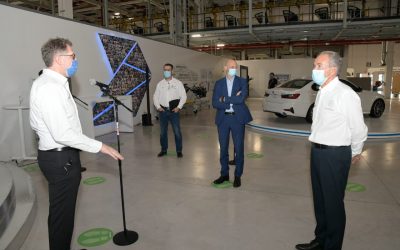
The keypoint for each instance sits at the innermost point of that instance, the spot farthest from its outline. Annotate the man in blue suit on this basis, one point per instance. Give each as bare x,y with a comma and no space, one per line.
232,115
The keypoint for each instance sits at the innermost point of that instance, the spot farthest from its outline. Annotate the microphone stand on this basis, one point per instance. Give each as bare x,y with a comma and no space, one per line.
125,237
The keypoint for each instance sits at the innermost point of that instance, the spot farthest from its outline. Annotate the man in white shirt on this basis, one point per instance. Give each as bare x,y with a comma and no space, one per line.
338,133
169,98
54,117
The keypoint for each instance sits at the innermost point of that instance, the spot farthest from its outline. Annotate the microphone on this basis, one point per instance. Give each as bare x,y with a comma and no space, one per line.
102,86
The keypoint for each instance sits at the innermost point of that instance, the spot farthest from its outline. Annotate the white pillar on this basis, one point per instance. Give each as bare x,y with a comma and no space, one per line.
389,69
65,9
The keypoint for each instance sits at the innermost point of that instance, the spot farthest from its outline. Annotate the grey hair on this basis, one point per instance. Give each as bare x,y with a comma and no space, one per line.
335,60
52,47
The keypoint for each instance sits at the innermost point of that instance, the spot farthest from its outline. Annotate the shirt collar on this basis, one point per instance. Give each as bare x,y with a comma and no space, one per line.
166,81
60,78
227,79
331,85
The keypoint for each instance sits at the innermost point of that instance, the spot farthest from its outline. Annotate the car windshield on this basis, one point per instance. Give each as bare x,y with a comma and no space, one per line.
352,85
295,84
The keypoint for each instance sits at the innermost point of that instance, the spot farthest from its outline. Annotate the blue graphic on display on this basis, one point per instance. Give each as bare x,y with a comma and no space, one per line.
127,66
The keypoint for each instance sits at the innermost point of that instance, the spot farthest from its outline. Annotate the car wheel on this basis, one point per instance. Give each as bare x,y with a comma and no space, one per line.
310,113
280,115
377,108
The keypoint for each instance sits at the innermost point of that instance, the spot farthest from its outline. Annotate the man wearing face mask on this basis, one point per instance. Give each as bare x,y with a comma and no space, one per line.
232,115
337,137
169,98
54,117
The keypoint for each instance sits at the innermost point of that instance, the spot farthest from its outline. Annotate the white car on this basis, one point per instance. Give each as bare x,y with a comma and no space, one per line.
297,97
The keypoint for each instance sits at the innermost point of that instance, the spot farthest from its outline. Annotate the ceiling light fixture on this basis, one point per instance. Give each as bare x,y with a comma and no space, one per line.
220,45
196,35
117,14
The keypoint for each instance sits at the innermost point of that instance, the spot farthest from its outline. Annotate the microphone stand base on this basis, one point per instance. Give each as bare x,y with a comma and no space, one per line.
125,238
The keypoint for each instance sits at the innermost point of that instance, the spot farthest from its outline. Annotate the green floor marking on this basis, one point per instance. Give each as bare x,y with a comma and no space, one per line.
31,167
115,144
254,155
171,153
202,135
266,138
95,237
355,187
94,180
225,184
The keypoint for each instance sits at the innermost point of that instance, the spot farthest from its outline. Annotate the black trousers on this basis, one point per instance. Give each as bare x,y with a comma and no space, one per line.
63,173
329,172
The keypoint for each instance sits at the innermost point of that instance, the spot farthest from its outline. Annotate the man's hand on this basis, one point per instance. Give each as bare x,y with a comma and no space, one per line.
176,110
160,109
355,159
105,149
222,99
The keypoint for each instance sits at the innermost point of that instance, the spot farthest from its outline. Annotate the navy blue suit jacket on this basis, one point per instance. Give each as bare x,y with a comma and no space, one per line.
242,113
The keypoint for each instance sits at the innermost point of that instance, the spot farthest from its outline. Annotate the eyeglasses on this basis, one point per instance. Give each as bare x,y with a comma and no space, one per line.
72,55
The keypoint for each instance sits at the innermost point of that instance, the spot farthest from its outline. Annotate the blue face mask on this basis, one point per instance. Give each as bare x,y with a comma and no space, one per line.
318,76
232,72
167,74
72,69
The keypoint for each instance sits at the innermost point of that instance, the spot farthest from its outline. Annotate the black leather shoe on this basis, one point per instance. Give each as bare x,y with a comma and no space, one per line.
221,179
179,154
313,245
237,182
232,162
161,154
83,169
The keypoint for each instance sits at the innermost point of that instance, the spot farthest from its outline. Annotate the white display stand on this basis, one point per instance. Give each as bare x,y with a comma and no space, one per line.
21,132
86,116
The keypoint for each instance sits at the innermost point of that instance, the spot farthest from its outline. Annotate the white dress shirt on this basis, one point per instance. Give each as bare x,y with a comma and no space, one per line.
229,84
338,118
167,91
54,116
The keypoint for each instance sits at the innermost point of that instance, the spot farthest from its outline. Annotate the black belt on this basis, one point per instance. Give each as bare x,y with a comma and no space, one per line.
165,108
229,113
63,149
322,146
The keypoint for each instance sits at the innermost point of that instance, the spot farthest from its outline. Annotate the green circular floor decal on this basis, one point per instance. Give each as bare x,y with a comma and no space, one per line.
94,180
95,237
115,144
254,155
31,168
355,187
202,135
266,138
225,184
171,153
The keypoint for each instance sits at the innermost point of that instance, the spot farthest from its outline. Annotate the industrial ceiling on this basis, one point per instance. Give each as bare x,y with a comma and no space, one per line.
376,21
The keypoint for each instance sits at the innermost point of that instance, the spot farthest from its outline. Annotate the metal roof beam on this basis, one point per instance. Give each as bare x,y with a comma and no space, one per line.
111,6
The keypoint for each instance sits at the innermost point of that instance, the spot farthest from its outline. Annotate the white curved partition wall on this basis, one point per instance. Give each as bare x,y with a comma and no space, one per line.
7,199
17,206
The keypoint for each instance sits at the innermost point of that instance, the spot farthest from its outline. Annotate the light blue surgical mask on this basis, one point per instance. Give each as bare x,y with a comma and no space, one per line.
232,72
72,69
167,74
318,76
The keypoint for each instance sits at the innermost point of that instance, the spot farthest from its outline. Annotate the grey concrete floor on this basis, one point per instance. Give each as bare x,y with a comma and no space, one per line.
171,203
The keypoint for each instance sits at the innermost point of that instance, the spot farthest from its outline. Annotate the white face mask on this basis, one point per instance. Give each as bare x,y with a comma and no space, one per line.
318,76
232,72
167,74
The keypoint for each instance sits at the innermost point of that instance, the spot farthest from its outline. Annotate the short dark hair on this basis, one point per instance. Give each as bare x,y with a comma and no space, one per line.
52,47
169,64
